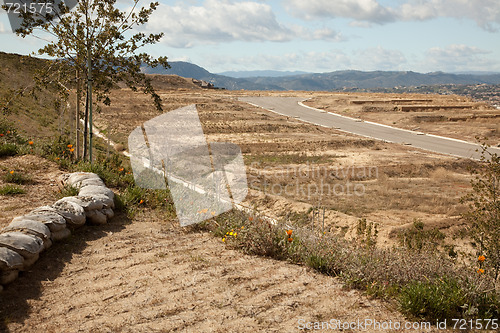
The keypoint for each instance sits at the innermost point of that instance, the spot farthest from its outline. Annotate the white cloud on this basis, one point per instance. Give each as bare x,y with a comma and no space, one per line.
458,57
217,21
313,61
306,61
359,10
379,58
486,13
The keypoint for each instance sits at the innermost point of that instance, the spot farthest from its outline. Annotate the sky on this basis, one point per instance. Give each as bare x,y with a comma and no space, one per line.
318,35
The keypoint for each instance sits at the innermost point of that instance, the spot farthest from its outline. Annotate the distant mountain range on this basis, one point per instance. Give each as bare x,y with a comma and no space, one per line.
247,74
338,80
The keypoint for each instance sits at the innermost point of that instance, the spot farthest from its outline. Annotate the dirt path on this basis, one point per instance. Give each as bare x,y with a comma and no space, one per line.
147,276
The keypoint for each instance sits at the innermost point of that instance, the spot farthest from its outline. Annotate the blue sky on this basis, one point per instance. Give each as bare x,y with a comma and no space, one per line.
320,35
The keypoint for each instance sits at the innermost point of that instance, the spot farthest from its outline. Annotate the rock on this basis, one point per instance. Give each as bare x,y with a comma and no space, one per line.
8,276
97,217
31,227
48,216
61,234
88,203
10,259
119,147
28,246
72,212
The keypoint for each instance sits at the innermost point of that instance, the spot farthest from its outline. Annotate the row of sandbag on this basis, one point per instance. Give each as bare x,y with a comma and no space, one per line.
22,241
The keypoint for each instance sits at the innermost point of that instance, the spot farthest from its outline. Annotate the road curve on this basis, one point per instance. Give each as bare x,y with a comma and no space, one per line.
293,107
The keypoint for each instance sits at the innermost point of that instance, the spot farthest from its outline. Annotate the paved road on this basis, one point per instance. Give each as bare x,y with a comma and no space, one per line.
289,106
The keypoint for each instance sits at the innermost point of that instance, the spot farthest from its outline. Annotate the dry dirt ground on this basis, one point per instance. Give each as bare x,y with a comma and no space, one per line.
41,190
293,166
149,275
448,115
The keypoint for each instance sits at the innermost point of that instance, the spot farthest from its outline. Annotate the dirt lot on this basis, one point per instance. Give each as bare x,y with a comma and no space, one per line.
293,166
149,275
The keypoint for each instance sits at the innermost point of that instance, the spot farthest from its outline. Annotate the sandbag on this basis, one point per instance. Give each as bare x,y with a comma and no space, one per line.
86,202
72,212
29,262
10,259
48,216
93,190
73,178
31,227
28,246
96,217
109,213
61,234
7,277
89,181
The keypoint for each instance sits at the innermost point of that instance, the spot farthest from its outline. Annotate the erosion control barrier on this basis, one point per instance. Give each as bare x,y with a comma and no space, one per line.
22,241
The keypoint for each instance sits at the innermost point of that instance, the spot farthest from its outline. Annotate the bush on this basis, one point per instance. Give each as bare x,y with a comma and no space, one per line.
11,190
16,178
8,149
483,217
418,239
440,299
427,284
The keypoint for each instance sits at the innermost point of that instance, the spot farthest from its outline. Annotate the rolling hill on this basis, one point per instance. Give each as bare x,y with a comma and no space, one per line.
337,80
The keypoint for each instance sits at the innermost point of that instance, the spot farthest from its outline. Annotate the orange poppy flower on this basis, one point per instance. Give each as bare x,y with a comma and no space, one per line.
1,134
30,143
141,202
72,150
481,258
480,271
70,146
289,232
8,132
12,172
290,240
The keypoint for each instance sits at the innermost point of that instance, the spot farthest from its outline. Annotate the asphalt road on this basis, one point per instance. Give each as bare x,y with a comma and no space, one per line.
290,107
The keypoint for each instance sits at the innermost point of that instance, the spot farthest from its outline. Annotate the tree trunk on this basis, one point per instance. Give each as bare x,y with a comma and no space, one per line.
77,115
85,131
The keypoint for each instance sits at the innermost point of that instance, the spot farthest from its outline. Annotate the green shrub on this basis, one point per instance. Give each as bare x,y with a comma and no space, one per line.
483,215
418,239
16,178
11,190
8,149
67,191
432,300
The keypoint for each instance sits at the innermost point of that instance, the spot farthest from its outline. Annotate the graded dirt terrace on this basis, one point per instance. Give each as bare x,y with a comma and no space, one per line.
293,166
447,115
